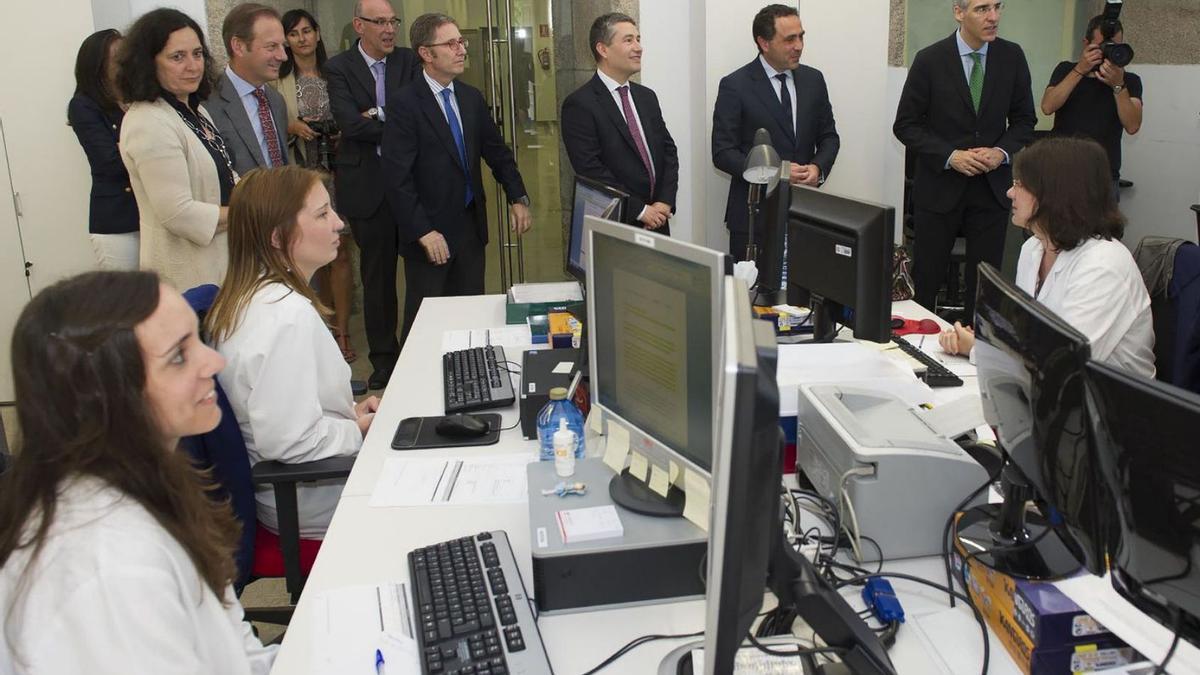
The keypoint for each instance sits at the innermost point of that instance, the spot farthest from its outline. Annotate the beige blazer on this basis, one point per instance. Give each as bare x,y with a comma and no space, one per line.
287,87
178,195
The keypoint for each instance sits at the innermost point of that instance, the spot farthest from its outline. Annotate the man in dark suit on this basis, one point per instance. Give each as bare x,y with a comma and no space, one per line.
966,109
360,81
436,133
776,93
251,117
613,129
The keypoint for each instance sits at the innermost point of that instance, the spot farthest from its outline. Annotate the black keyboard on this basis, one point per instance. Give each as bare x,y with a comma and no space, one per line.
476,379
936,374
475,617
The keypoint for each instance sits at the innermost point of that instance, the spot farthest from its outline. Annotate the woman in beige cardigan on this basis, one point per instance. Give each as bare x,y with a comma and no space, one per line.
178,166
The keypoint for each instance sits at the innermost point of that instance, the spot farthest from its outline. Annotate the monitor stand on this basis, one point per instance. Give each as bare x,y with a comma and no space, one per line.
633,494
1039,554
679,660
824,327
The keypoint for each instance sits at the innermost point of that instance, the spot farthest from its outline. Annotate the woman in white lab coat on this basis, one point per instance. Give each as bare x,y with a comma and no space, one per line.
1074,263
113,558
286,379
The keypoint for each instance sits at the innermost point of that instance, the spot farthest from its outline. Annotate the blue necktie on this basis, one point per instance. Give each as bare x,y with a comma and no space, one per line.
456,131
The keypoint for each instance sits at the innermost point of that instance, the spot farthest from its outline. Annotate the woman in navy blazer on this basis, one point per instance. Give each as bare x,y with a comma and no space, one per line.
95,114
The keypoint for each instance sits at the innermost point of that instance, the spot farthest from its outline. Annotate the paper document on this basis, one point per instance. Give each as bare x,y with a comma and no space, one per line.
546,292
506,336
750,660
483,480
955,418
846,363
350,624
959,365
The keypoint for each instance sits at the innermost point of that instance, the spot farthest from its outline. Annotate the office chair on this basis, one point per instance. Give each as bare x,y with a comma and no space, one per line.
4,453
1196,208
261,554
1171,270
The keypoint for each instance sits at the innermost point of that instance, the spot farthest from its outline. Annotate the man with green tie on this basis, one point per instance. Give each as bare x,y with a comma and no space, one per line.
966,109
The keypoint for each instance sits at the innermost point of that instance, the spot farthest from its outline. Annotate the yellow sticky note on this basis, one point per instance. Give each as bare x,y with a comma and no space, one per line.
696,499
638,466
595,421
616,447
659,481
674,475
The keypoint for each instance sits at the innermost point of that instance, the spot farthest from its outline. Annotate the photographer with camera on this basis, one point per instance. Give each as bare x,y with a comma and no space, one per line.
1095,96
312,140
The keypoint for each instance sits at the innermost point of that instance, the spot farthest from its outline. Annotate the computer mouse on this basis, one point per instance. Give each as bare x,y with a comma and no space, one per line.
462,426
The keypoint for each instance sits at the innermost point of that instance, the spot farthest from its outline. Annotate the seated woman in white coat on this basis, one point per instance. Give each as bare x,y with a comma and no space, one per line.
1074,264
285,376
113,558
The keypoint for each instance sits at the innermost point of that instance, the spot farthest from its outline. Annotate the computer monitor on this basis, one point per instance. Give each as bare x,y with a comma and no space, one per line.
654,316
840,252
772,221
748,549
1145,439
591,198
1030,365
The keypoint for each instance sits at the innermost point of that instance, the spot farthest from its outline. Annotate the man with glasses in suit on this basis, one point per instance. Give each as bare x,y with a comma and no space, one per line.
360,81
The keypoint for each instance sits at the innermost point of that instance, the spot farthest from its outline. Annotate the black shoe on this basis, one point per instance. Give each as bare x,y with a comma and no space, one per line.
379,379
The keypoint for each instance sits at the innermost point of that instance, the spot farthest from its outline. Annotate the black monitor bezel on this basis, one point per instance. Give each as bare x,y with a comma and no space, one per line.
577,271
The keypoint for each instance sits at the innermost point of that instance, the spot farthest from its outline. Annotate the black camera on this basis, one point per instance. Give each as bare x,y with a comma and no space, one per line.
325,142
1118,53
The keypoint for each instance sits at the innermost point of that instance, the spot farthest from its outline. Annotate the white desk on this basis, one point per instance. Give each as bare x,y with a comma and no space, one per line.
368,545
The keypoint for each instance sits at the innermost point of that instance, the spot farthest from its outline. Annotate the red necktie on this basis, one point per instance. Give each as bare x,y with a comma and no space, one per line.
637,134
270,135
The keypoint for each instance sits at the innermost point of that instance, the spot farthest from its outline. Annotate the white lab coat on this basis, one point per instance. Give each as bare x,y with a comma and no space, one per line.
290,390
112,592
1097,289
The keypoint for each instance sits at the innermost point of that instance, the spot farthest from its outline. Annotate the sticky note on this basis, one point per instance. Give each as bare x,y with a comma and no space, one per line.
617,447
674,472
659,482
696,499
595,421
638,466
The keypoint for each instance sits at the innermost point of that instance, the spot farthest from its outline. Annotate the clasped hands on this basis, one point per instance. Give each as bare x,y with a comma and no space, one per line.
976,161
805,174
438,251
655,215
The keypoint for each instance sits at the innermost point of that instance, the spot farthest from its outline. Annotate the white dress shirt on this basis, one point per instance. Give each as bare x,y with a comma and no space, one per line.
112,592
290,390
775,84
1097,289
437,88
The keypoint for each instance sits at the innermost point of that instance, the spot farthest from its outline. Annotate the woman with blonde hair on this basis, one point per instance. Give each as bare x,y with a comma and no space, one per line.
113,556
286,379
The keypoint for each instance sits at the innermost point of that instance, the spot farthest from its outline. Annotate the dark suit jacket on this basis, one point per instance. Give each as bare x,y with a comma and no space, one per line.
113,209
600,146
357,177
231,119
936,117
426,184
747,102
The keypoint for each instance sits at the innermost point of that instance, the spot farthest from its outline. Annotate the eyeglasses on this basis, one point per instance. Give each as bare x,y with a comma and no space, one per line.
460,43
982,10
394,22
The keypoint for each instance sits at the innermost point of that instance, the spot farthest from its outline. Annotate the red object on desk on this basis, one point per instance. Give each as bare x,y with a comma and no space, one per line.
922,327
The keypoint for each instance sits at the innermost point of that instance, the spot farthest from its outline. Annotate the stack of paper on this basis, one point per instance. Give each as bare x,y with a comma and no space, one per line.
597,522
546,292
480,480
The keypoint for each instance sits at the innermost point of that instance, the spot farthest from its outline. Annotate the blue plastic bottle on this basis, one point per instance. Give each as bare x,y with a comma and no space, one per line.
547,423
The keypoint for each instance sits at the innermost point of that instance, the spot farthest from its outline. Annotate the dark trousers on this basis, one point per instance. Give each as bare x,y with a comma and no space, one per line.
378,244
981,220
463,274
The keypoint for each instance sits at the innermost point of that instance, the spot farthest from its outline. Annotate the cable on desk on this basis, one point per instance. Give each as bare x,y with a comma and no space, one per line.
799,651
950,521
1161,668
634,644
514,424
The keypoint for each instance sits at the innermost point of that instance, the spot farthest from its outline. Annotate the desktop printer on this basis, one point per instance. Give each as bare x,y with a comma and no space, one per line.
901,477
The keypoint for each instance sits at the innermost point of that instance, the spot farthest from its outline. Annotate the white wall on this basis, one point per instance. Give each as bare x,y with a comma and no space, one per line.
1163,159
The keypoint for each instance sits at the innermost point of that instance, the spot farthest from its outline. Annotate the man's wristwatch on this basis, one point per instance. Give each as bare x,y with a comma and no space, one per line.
1118,88
523,200
373,113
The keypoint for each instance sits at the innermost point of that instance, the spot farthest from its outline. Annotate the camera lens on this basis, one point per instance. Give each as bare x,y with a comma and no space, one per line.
1120,54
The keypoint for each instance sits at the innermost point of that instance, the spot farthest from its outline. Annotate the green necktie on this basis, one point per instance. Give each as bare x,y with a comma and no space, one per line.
976,81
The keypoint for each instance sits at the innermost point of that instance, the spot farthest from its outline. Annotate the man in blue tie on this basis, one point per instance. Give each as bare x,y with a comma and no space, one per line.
437,130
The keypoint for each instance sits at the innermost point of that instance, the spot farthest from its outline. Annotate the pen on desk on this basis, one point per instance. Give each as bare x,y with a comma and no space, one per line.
921,344
379,662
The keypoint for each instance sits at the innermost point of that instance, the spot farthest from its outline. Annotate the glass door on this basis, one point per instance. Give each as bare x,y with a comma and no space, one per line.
509,59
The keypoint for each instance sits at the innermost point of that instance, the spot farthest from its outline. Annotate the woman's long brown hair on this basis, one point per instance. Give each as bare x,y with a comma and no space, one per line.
80,383
262,224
